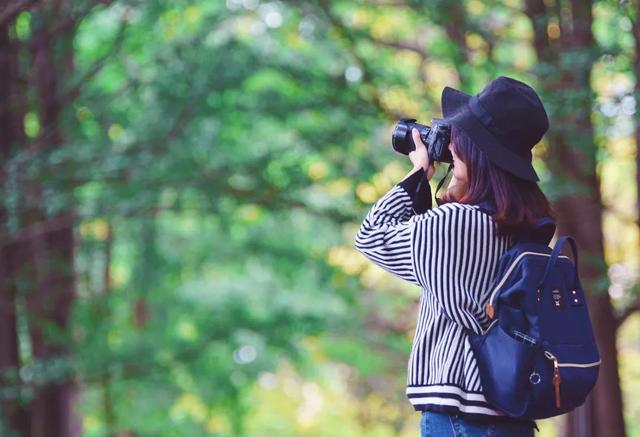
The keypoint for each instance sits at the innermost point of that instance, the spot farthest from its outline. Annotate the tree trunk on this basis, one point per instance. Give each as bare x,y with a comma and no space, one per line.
565,69
13,414
52,288
636,95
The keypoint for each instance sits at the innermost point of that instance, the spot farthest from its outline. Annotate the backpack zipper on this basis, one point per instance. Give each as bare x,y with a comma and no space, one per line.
513,266
556,380
489,327
597,363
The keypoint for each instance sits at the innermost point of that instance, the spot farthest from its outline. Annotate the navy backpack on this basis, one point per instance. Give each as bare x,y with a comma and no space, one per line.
538,357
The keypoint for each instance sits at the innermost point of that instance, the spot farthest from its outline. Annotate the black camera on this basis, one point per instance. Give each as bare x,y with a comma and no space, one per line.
435,137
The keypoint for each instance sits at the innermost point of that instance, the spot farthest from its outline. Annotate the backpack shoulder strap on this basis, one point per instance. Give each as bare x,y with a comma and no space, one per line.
554,257
486,206
541,232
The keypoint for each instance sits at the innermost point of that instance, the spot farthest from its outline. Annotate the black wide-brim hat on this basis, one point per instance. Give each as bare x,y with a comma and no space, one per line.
505,120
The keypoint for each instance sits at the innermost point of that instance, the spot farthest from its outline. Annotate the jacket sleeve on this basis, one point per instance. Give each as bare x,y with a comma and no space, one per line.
445,250
385,235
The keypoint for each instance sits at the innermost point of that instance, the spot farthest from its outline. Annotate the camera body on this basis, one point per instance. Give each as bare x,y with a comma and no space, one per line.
436,137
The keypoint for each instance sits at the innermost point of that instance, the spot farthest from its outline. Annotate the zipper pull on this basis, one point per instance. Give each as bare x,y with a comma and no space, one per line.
556,382
488,308
556,377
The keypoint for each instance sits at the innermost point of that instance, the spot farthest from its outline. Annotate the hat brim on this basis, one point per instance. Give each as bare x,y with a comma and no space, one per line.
456,111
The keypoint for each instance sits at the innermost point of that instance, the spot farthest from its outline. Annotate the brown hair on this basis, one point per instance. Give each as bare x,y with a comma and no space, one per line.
519,203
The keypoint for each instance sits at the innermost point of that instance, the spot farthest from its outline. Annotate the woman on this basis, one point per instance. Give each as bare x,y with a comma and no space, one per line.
452,251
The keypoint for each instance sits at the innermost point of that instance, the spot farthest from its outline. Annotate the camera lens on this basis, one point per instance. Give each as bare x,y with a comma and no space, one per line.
399,136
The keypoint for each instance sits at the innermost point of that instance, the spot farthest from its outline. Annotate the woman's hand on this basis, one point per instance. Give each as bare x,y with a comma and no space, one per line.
419,157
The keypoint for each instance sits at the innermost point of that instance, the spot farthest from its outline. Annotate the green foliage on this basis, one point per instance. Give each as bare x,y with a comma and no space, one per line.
219,157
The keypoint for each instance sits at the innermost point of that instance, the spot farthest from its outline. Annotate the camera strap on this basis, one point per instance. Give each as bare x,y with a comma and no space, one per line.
438,201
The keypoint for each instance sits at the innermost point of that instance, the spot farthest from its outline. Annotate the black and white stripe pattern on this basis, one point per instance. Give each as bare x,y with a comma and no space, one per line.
451,252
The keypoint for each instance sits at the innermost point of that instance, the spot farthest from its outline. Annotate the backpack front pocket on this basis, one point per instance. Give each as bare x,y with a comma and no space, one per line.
505,364
567,373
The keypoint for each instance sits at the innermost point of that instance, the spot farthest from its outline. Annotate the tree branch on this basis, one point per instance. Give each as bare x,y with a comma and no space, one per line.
72,93
400,45
367,75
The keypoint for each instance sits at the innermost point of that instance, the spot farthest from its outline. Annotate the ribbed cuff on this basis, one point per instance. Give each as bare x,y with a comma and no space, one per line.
418,188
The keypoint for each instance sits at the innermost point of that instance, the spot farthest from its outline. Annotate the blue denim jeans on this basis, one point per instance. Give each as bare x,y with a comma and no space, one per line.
434,424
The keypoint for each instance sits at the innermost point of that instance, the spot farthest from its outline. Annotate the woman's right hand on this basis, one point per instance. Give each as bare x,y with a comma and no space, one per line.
419,157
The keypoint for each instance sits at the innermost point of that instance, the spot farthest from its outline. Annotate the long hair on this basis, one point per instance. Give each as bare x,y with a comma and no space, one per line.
519,203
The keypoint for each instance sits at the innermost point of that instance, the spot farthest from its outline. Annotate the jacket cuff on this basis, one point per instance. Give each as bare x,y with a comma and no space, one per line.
418,188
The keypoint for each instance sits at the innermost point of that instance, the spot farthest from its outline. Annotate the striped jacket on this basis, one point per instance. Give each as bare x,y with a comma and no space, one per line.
451,252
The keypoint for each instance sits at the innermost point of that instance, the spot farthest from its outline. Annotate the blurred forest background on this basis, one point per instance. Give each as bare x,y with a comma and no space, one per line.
182,181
